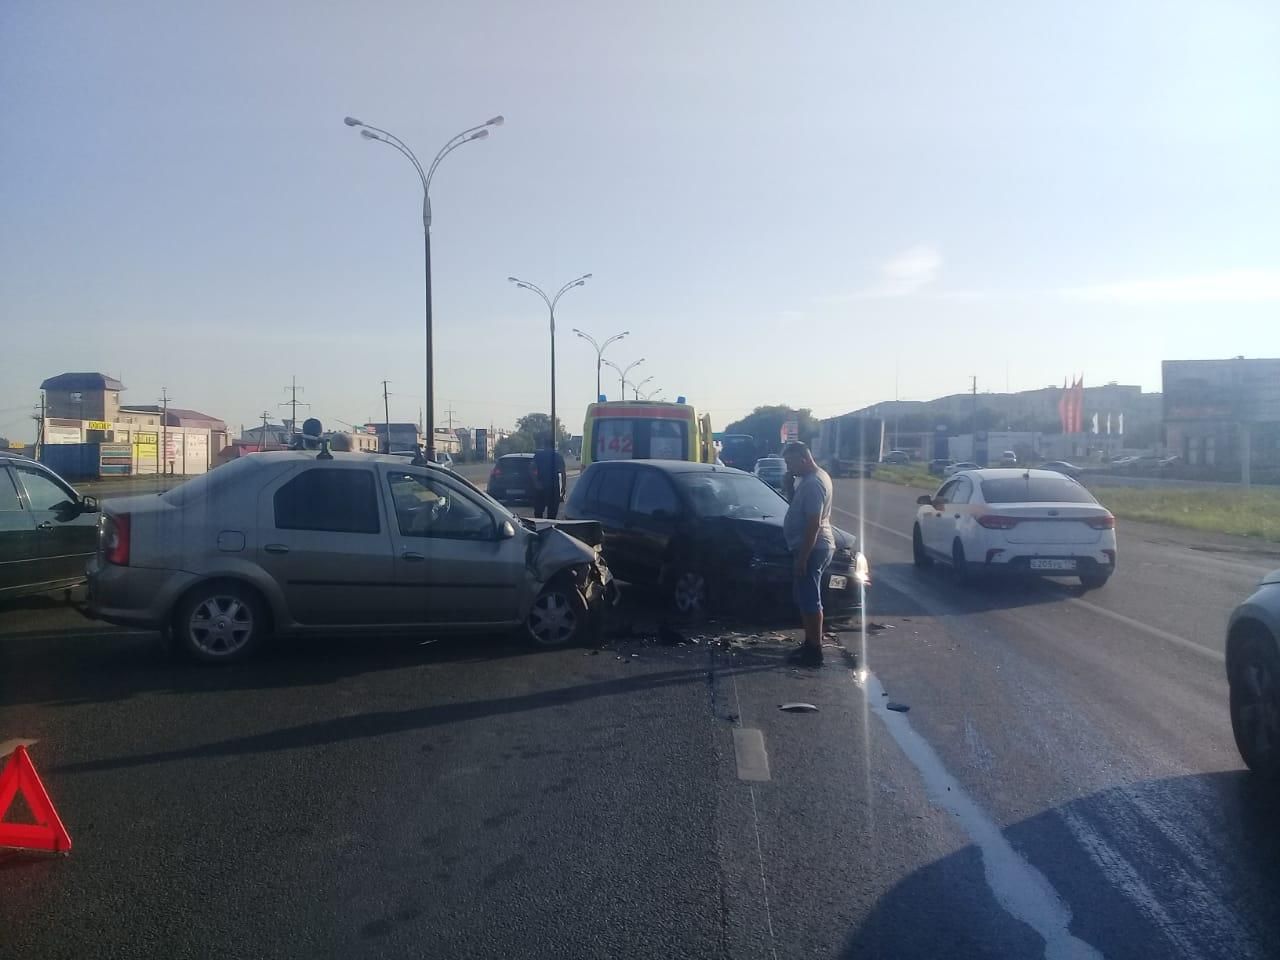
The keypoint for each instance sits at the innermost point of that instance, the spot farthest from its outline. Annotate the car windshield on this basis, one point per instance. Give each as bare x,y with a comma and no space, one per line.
1035,490
730,495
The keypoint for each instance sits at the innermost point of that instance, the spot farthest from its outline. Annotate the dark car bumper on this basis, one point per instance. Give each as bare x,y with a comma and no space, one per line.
505,494
769,582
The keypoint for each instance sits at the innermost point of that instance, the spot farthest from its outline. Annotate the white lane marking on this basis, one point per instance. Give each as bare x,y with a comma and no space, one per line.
1124,876
1020,889
755,820
872,523
748,750
1177,641
1150,806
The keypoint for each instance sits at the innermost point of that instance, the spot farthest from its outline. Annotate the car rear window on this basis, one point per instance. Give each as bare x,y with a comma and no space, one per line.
206,483
339,501
1035,490
515,464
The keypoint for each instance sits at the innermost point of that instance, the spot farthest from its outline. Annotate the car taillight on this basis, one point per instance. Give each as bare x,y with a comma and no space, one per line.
995,522
1102,523
496,474
115,538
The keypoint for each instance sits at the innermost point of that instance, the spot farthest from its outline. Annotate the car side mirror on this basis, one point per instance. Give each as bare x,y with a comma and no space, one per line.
89,505
924,500
506,531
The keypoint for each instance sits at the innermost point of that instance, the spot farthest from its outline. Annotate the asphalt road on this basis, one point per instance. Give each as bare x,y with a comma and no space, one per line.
1063,782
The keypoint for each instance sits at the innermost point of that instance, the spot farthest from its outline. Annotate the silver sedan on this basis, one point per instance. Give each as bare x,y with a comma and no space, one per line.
292,542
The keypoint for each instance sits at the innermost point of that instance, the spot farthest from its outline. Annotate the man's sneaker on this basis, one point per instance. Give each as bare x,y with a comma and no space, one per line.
805,656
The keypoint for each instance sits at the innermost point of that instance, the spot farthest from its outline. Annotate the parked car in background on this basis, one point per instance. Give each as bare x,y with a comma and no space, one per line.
1064,468
48,532
999,521
772,470
897,457
1253,678
511,479
1008,459
938,467
292,542
443,459
955,468
709,536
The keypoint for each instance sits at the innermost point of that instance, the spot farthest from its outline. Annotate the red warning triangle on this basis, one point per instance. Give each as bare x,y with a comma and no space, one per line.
47,833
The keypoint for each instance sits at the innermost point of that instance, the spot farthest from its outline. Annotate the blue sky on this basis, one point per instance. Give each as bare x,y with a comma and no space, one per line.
798,203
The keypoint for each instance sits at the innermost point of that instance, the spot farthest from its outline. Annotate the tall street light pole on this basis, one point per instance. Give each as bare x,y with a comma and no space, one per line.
622,375
600,348
370,132
637,386
551,309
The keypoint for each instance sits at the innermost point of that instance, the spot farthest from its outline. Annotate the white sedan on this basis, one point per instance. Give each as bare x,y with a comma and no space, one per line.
1034,522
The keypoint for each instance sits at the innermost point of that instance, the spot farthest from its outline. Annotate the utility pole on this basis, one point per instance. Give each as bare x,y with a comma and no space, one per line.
292,404
262,437
973,422
164,430
386,413
449,413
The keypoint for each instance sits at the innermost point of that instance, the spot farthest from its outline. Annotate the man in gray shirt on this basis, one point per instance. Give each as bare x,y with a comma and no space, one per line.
807,529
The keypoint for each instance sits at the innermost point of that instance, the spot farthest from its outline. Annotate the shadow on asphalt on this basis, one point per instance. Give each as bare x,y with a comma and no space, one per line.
1186,866
383,722
901,589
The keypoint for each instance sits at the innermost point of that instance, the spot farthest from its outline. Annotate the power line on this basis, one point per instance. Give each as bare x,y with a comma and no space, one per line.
293,403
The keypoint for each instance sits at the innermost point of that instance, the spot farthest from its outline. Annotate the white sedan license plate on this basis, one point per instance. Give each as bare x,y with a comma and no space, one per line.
1053,564
839,583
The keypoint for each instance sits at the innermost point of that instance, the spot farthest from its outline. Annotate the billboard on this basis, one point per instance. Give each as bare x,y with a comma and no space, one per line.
1240,391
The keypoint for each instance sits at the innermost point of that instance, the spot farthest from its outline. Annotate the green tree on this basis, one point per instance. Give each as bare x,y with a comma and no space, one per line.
765,424
529,430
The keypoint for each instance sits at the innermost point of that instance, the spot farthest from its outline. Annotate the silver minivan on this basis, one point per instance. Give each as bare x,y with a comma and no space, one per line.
300,542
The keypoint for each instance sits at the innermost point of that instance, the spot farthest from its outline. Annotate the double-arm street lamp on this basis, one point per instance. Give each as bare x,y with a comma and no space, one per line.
637,386
551,309
622,375
599,348
370,132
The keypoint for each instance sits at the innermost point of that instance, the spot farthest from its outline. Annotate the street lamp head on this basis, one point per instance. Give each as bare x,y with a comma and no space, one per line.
369,135
479,135
497,121
352,122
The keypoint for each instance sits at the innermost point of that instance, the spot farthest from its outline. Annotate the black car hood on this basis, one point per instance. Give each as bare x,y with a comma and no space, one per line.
763,532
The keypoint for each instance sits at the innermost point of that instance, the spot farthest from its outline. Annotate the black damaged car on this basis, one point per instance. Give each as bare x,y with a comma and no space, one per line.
710,535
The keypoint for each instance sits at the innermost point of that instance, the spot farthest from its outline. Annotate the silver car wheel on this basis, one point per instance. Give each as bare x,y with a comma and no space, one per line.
690,593
553,620
220,626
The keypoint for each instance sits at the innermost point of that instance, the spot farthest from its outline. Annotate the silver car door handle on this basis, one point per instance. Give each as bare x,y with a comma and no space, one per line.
276,548
409,555
46,525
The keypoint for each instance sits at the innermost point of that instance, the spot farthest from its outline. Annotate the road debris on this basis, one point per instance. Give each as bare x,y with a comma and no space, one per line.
898,707
798,707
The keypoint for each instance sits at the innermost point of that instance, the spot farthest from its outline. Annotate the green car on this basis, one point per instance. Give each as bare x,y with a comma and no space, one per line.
48,532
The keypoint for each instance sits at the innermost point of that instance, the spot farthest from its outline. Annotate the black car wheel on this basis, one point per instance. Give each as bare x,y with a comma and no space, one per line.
918,554
1255,703
959,565
220,622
